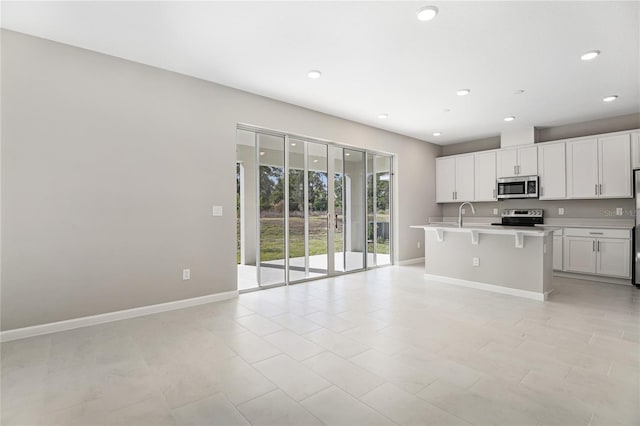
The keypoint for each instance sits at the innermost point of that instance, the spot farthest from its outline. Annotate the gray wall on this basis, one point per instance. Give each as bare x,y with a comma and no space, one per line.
110,169
472,146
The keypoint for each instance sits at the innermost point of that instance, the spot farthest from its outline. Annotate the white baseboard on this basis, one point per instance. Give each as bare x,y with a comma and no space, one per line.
596,278
53,327
410,261
489,287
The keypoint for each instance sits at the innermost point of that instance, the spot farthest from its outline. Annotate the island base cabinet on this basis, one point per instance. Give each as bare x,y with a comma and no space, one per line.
614,257
580,255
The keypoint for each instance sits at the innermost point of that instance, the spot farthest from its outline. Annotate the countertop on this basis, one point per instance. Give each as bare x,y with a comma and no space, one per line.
486,228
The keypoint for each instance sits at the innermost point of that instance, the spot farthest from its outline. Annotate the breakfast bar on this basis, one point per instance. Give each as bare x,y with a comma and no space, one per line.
505,259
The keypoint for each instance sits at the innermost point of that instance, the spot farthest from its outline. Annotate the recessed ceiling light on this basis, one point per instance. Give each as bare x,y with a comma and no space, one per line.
437,134
347,154
446,110
383,116
314,74
590,55
427,13
610,98
261,152
518,92
463,92
510,118
293,144
315,161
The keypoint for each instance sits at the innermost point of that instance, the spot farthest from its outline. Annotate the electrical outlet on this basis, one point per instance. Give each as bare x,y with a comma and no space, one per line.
216,211
618,211
419,245
186,274
476,261
561,211
495,211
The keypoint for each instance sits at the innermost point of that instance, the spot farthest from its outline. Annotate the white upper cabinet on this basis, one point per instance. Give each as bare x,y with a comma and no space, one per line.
465,178
518,161
445,179
455,179
615,166
599,167
552,171
528,161
635,150
507,162
485,171
582,168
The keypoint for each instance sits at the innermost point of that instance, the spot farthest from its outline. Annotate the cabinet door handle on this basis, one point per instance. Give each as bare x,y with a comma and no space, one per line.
600,189
494,193
598,245
518,166
596,190
596,233
593,245
514,170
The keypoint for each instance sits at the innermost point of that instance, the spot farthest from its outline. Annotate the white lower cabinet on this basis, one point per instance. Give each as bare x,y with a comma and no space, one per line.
580,255
597,251
614,257
557,253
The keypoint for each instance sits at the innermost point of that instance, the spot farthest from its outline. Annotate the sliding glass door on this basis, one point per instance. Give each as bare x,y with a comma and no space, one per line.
308,209
378,209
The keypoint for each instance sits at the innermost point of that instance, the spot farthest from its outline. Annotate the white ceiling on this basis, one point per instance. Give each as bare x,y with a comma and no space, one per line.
376,57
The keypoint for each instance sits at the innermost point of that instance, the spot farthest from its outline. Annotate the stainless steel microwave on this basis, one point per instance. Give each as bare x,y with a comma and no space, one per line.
518,187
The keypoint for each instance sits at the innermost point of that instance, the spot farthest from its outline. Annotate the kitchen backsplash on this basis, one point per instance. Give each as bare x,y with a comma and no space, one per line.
582,209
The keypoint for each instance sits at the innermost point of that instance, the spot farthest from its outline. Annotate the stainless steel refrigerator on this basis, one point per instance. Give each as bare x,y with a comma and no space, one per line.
636,236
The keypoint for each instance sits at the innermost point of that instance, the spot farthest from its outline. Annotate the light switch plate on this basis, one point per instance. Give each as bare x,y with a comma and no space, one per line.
561,211
476,261
216,211
618,211
495,211
186,274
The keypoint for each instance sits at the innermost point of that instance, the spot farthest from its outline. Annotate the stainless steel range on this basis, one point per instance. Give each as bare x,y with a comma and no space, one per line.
521,217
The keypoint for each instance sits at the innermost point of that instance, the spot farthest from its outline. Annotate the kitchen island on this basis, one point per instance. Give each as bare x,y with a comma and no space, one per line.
505,259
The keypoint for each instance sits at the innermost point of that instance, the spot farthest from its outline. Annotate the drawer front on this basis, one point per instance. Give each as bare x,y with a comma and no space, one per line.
597,233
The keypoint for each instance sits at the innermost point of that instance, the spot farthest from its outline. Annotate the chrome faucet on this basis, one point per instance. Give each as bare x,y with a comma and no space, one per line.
460,212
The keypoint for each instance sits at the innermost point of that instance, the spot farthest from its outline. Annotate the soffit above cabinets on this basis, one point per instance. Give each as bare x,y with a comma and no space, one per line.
376,58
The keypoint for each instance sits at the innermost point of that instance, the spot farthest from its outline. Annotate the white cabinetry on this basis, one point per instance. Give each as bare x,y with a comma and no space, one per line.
518,162
598,251
614,166
635,150
557,250
485,176
455,179
579,255
552,171
599,167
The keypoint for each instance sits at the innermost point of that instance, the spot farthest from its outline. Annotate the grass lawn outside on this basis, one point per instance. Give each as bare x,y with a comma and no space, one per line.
272,238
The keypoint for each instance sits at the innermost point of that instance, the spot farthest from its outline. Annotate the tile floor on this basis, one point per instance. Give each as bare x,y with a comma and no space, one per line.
379,347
